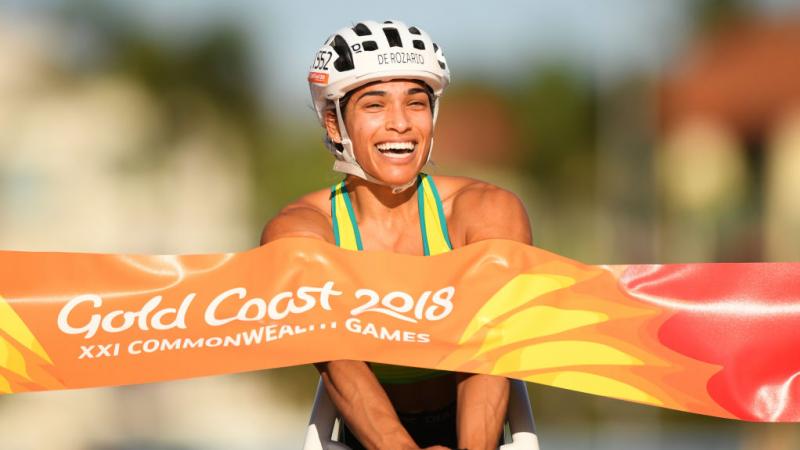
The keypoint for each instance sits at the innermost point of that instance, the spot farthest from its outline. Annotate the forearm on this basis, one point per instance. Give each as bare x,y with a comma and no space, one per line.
482,404
364,405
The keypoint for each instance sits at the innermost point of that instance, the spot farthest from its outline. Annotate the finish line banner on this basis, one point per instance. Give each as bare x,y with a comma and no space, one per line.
717,339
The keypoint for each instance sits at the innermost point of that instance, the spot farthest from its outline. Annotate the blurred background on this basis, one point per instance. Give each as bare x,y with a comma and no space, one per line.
635,132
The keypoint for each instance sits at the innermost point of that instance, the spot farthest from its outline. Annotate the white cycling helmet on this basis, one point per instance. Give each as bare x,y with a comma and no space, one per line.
367,52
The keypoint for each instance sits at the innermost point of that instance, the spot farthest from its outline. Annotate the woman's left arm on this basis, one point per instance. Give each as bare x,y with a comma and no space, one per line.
486,212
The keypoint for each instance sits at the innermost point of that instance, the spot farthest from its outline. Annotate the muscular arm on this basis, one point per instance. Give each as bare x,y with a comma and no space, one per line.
486,212
298,220
489,212
363,404
352,386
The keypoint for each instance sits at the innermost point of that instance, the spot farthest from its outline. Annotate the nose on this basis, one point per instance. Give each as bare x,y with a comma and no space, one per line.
397,120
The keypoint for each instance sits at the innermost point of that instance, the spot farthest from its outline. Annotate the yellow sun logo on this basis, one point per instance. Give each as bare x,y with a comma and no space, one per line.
20,354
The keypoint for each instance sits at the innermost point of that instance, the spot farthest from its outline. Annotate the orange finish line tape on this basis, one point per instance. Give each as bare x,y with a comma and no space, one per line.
716,339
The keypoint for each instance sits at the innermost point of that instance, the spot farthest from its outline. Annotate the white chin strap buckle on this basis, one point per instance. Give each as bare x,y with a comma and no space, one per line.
356,170
399,189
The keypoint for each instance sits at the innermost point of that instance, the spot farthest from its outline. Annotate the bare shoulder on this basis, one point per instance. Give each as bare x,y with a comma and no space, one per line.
481,210
308,216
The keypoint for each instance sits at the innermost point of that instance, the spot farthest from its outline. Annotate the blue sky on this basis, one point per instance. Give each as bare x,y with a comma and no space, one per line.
492,40
480,39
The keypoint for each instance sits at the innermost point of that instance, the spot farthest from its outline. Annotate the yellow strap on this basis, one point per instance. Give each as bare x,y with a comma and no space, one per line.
434,222
434,230
344,227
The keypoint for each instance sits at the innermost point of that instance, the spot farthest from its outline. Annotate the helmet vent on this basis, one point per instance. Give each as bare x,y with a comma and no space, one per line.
362,30
345,60
393,36
414,30
442,65
435,47
419,45
370,46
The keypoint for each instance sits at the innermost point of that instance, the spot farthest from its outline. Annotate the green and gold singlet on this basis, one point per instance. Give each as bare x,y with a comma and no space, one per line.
435,240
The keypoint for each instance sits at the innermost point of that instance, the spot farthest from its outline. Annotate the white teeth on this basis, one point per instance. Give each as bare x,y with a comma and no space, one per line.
396,155
386,146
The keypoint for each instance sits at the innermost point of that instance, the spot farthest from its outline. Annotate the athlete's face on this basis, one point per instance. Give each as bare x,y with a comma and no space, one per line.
390,124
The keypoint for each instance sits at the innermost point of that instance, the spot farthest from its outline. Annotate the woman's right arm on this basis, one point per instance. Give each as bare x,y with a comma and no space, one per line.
352,386
363,404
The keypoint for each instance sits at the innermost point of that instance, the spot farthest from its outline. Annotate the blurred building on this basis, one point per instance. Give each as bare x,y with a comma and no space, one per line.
729,115
475,126
745,74
74,177
83,167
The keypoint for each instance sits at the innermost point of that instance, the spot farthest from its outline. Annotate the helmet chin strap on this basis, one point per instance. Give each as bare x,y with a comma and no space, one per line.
348,164
355,169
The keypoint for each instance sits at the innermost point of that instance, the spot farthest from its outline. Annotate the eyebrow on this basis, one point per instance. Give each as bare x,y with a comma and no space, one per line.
412,91
375,93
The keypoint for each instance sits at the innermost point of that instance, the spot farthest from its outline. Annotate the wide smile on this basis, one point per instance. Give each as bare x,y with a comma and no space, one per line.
399,151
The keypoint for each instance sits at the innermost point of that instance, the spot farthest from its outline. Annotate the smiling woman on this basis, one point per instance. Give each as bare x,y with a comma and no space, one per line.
376,89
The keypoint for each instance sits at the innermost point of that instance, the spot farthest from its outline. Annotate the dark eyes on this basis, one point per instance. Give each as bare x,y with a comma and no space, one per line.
414,103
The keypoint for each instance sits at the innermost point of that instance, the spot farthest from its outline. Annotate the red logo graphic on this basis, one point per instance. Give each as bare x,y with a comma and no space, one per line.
318,77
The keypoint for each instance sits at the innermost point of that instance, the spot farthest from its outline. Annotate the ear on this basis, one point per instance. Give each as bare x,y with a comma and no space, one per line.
332,126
